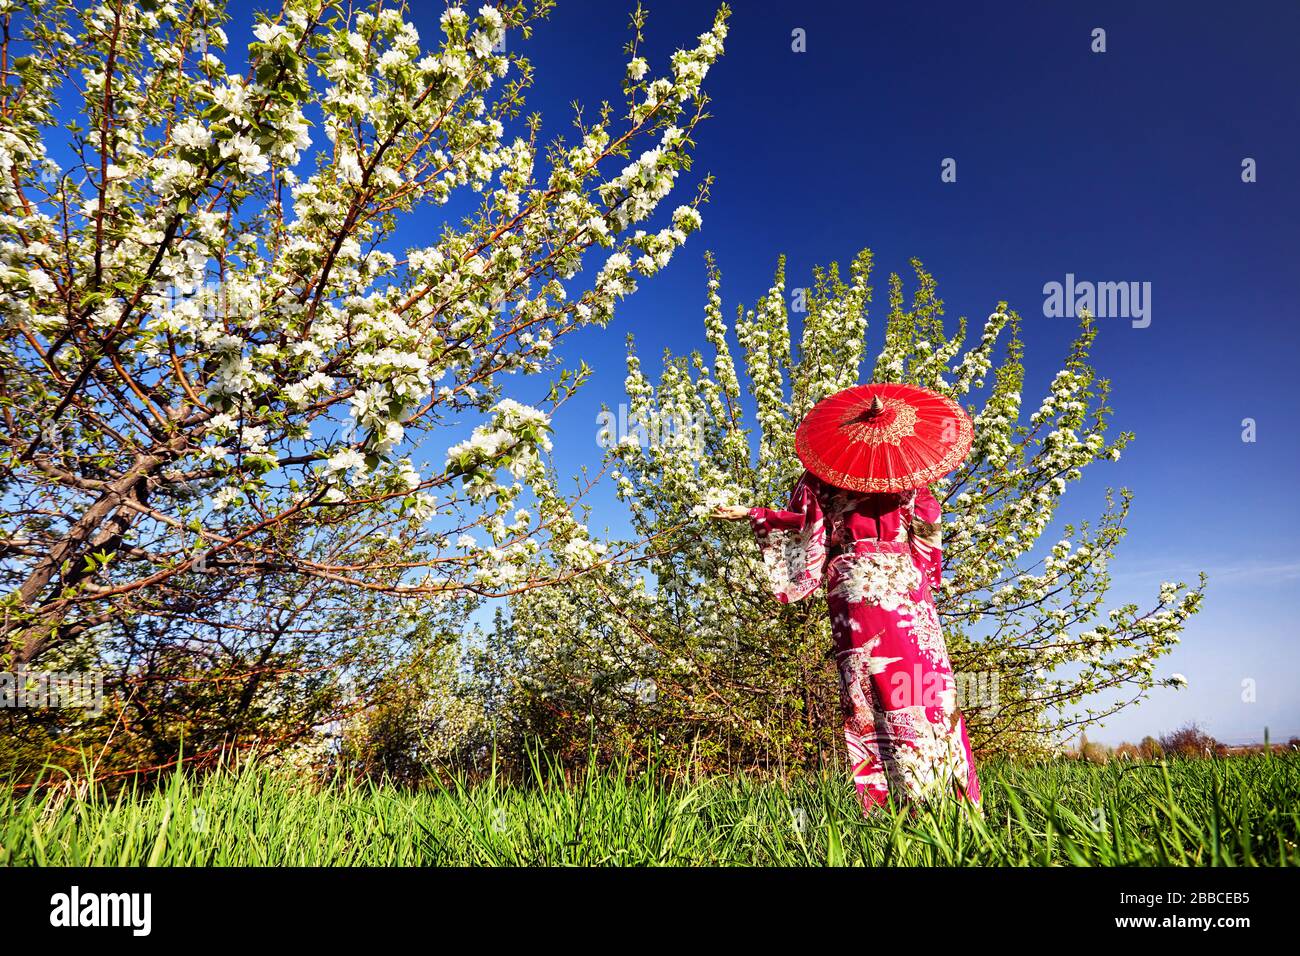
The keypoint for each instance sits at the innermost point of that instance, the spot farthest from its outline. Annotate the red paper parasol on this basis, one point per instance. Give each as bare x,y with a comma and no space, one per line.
883,438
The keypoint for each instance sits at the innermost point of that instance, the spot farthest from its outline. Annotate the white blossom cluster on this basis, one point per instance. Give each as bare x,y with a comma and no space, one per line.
511,441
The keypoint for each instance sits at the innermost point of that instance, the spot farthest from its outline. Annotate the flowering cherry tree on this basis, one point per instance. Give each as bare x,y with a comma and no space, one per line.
253,301
696,655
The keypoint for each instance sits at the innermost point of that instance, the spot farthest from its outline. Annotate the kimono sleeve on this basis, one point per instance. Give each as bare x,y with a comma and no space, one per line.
792,543
926,538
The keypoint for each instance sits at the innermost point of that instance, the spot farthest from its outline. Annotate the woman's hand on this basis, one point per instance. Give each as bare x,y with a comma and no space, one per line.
729,512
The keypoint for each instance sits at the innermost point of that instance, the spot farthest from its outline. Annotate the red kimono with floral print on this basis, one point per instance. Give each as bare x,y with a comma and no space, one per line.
879,556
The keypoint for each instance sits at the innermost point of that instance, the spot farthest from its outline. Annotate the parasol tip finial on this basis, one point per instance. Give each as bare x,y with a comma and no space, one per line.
877,406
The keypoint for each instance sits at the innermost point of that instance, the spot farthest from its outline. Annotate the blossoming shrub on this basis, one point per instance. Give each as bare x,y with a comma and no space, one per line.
689,651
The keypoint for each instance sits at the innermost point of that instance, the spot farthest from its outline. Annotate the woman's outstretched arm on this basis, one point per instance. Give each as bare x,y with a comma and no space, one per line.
792,541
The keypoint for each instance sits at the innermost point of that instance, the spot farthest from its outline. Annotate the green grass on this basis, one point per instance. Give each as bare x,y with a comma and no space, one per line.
1233,812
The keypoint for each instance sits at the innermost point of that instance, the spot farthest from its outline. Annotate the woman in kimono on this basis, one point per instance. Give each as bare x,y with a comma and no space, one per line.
879,556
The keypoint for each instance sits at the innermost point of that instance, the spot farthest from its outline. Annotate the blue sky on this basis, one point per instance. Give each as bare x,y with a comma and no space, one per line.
1116,166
